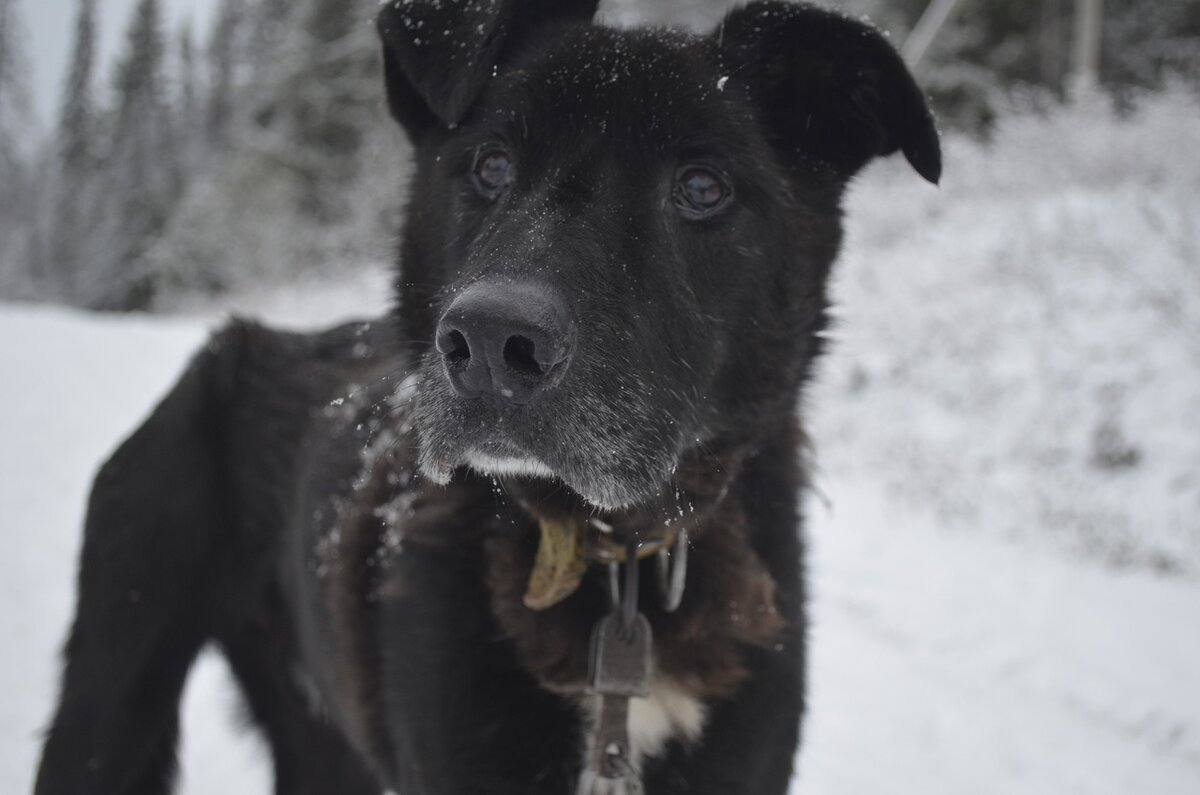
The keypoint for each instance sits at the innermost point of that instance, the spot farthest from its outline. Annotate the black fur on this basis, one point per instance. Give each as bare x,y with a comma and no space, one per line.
304,501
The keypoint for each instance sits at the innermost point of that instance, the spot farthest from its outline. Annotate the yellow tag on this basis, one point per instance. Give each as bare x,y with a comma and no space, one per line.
559,566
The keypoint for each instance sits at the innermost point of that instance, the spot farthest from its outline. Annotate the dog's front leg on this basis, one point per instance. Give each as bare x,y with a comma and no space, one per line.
144,586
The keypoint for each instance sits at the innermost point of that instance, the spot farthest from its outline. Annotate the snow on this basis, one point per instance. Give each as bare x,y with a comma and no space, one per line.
1026,340
950,664
1005,560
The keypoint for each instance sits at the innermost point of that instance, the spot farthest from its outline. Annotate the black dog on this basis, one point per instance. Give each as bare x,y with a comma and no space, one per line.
613,288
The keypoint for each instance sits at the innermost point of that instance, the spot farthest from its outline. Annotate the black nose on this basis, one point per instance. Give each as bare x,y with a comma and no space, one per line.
509,341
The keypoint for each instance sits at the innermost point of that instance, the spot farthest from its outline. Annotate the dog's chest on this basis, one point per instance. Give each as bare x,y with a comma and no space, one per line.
667,713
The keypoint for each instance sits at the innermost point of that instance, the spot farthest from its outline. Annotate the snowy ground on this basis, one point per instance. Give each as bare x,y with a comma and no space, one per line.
1005,560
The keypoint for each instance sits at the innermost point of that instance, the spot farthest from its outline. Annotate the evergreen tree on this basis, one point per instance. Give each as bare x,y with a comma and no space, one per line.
70,190
222,64
189,102
16,114
1145,43
142,172
16,128
189,118
139,76
999,44
76,133
325,111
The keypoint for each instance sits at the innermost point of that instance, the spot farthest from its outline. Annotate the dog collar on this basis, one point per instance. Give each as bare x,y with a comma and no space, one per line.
567,547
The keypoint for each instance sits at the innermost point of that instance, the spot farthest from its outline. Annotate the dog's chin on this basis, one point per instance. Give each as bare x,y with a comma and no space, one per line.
509,466
536,481
613,457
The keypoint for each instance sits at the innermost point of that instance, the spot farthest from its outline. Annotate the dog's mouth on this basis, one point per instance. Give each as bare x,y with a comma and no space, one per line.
574,485
606,470
696,481
535,486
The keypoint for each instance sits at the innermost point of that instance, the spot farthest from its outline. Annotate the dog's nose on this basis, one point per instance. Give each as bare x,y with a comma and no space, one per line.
509,341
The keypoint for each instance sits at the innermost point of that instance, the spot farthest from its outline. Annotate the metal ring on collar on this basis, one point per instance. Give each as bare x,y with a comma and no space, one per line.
672,572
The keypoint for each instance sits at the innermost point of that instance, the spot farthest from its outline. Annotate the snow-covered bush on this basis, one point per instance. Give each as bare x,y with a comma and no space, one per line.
1022,347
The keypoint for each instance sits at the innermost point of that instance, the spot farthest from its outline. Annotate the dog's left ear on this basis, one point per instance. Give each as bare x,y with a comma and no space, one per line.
829,85
438,54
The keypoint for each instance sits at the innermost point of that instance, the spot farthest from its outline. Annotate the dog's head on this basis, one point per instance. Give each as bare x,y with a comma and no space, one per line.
618,240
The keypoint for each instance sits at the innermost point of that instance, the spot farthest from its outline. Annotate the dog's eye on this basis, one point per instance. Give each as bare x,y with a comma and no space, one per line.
699,192
493,172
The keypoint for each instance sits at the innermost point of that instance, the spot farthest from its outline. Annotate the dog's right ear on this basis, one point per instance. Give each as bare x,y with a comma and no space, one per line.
438,54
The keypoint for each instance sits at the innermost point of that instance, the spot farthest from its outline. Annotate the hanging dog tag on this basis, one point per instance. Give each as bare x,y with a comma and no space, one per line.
610,768
620,657
619,669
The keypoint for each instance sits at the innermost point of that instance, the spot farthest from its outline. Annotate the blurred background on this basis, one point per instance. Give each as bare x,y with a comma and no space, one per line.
135,133
1006,528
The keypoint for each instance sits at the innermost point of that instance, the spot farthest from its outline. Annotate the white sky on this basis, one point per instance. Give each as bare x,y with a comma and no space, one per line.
51,27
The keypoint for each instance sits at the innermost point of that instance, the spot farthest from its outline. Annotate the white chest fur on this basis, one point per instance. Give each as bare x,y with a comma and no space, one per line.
665,714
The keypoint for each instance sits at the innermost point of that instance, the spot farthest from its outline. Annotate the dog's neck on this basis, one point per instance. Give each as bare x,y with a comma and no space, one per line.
729,603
